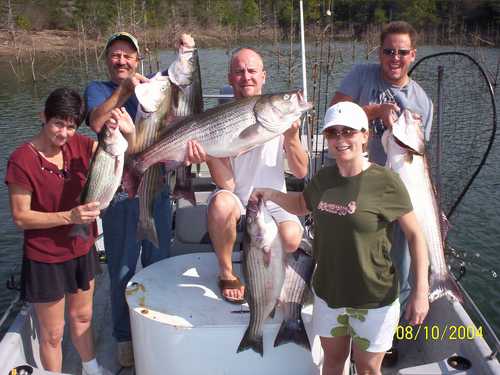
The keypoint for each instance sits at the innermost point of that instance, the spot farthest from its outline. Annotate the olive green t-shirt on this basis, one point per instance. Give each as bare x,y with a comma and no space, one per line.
352,226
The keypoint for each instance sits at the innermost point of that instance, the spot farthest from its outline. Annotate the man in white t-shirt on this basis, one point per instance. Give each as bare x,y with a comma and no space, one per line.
237,177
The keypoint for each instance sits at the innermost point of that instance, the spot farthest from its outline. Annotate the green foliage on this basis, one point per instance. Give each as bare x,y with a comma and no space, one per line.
23,22
101,17
379,16
225,12
420,13
249,14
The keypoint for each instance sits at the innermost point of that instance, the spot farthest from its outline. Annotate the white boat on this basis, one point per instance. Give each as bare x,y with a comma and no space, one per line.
180,323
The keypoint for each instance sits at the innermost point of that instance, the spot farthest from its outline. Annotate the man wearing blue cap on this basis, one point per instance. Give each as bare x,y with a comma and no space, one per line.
121,217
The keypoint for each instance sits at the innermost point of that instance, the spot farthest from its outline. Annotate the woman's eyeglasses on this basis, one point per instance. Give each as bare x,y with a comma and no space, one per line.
394,52
336,134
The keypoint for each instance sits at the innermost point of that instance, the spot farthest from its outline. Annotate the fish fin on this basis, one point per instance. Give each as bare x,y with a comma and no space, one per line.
251,342
273,311
293,330
183,187
131,177
444,285
80,230
267,255
250,133
146,230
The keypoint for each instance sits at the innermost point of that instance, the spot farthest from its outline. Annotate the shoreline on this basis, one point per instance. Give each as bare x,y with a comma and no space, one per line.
23,44
20,45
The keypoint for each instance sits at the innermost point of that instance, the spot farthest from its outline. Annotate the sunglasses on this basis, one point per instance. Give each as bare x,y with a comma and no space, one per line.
394,52
345,132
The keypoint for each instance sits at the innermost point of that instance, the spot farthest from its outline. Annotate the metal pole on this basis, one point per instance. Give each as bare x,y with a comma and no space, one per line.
305,122
439,149
303,50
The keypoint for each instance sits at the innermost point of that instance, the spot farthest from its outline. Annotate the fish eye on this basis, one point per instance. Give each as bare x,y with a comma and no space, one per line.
286,97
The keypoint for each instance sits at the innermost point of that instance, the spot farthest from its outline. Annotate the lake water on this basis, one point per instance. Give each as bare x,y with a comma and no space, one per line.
476,225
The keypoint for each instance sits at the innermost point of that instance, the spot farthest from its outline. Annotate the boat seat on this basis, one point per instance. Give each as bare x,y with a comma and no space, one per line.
191,225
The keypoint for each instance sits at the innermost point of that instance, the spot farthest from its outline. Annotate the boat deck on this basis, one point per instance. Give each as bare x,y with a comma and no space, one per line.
104,342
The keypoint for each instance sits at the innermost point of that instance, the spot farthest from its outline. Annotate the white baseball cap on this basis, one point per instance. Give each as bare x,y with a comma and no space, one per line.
347,114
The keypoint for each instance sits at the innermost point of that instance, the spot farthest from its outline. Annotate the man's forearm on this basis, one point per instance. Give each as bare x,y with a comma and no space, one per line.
296,156
101,113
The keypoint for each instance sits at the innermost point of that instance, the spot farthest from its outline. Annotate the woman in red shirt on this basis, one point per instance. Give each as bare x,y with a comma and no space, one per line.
45,177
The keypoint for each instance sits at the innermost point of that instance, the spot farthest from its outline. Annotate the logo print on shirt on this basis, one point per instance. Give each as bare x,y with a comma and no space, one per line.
338,209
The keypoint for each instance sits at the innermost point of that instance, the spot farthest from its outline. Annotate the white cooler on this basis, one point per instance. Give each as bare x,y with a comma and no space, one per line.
180,325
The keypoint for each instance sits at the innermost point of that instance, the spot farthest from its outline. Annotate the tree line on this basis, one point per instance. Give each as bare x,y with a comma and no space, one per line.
439,21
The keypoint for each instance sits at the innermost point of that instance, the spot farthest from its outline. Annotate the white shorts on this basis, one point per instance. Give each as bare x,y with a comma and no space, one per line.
278,213
371,330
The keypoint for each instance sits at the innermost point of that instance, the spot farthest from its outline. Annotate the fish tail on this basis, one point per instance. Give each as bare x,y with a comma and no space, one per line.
146,229
132,176
251,341
81,230
293,330
444,285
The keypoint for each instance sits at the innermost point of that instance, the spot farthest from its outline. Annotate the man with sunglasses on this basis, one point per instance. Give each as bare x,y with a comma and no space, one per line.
121,217
383,90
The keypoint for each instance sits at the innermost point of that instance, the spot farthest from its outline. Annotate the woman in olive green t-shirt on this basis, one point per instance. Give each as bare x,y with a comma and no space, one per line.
353,205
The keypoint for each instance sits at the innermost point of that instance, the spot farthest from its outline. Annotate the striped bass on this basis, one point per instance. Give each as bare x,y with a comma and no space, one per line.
227,130
294,293
264,270
186,102
155,98
405,149
105,173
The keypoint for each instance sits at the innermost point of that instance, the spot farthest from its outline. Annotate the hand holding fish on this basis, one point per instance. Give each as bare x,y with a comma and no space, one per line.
128,85
85,213
293,132
417,308
195,153
185,41
387,112
261,193
122,120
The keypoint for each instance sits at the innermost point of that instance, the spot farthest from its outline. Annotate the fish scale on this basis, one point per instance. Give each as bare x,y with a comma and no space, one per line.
406,156
224,131
148,127
105,174
263,281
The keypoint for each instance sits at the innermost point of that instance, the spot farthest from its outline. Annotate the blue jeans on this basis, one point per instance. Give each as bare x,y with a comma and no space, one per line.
122,250
400,255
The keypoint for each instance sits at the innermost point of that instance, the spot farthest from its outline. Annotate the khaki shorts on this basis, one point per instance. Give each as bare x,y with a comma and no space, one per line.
371,330
278,213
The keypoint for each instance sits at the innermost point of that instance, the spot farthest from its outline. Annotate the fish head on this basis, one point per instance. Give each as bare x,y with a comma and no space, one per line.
260,225
113,141
152,94
408,131
277,112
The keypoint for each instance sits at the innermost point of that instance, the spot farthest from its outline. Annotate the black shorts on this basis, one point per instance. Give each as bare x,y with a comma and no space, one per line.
49,282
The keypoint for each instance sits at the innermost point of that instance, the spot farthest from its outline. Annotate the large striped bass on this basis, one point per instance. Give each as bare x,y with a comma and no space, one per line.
294,294
105,173
227,130
264,270
405,149
187,101
155,98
